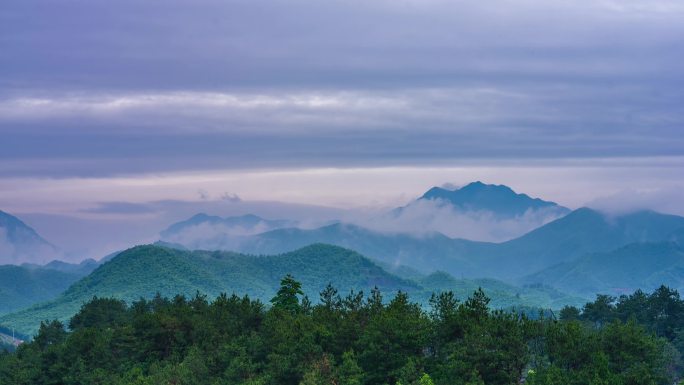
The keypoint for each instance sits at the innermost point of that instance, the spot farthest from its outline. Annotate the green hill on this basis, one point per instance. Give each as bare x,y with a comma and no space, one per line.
22,286
643,266
426,253
144,271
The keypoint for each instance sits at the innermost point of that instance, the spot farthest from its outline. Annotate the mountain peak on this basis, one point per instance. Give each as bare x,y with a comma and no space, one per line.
21,243
499,199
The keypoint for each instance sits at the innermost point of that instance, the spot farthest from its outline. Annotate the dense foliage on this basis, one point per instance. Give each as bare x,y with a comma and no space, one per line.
660,312
352,339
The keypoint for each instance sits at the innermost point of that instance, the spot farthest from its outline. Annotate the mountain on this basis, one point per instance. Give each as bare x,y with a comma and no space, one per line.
22,286
20,243
202,230
498,199
426,253
144,271
578,233
643,266
477,211
28,284
81,269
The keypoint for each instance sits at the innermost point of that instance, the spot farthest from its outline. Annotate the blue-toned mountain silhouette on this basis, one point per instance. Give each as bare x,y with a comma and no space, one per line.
498,199
20,243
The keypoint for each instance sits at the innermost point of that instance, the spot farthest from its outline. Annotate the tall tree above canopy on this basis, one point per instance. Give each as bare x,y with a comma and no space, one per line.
287,296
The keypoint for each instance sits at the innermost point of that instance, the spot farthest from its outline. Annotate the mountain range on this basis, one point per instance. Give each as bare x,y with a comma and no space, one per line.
572,236
144,271
27,284
643,266
562,261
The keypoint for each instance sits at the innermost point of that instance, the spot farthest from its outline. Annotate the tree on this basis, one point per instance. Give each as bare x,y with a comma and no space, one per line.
569,313
286,298
50,333
600,311
349,372
99,312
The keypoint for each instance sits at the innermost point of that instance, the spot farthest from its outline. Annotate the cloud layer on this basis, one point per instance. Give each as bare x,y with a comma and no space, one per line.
108,105
427,216
103,88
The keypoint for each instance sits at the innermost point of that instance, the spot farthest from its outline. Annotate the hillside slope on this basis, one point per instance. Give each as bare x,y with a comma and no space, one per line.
144,271
643,266
21,286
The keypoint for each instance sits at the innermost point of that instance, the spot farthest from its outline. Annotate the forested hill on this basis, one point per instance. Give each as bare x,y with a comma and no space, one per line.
643,266
22,286
144,271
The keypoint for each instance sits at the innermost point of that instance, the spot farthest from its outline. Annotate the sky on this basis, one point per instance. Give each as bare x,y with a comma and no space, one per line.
109,107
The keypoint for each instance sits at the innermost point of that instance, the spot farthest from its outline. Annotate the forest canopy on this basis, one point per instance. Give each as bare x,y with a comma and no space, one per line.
344,339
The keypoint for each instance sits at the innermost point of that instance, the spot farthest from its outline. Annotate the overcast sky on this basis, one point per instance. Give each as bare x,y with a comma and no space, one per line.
339,103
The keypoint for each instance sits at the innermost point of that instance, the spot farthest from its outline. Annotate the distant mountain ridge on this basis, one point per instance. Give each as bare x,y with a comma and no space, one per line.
21,243
202,229
574,235
643,266
22,286
498,199
82,268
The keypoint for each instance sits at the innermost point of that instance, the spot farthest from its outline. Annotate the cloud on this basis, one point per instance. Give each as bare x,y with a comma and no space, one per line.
450,186
120,208
215,236
342,102
665,200
226,196
109,226
426,216
362,129
212,44
144,88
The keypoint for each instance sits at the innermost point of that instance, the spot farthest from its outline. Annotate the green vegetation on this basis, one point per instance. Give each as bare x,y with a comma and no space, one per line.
503,295
21,286
350,339
143,271
661,313
643,266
